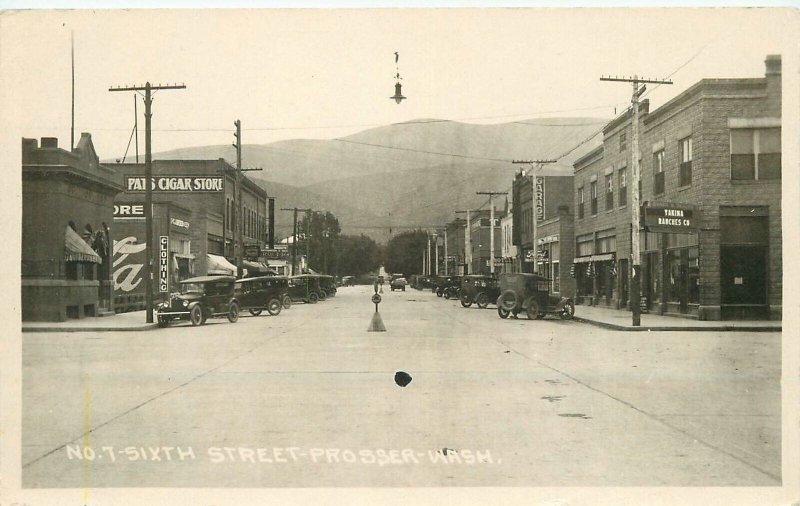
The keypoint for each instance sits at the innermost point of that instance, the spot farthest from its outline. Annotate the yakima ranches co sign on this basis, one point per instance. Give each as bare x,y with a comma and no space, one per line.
674,220
176,184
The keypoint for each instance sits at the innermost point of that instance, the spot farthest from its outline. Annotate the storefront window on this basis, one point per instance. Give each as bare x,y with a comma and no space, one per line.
556,277
694,275
675,276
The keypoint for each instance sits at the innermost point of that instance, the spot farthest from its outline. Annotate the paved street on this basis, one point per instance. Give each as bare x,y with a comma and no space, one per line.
308,399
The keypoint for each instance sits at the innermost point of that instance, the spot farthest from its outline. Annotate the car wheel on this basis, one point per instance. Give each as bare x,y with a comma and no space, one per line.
508,300
540,316
313,298
503,313
163,321
568,311
482,300
465,300
274,307
196,316
533,309
255,312
287,302
439,292
323,295
233,312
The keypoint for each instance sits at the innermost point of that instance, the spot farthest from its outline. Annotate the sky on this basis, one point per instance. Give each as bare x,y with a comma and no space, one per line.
321,73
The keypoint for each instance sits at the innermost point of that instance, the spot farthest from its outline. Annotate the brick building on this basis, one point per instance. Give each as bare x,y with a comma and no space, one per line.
193,220
67,209
711,203
554,250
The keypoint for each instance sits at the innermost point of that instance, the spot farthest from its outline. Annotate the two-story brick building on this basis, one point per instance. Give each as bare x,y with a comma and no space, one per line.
710,182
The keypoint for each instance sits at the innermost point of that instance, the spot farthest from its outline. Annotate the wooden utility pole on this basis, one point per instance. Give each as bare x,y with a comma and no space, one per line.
148,177
238,223
294,210
535,164
467,242
491,225
635,283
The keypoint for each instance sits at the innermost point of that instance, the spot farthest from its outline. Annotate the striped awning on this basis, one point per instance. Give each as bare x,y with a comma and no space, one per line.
76,249
219,265
594,258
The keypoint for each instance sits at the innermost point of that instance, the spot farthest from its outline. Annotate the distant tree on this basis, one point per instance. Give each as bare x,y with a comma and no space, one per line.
357,255
319,239
404,252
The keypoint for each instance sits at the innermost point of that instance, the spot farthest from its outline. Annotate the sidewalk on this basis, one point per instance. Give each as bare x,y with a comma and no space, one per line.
618,319
135,320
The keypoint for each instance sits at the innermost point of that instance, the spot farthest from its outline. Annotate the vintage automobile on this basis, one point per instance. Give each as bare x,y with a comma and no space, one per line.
398,284
531,293
305,287
201,298
260,293
481,290
448,286
327,286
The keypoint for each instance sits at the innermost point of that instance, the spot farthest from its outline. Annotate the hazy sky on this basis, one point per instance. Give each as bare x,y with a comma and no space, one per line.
327,73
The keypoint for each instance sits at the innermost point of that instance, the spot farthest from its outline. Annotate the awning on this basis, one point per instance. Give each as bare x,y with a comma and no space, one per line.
76,249
594,258
219,265
254,268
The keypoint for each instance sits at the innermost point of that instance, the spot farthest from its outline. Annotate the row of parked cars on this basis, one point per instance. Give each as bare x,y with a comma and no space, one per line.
512,293
206,297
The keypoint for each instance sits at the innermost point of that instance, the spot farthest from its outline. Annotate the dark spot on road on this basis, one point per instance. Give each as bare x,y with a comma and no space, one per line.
507,351
553,398
444,451
552,382
575,415
402,378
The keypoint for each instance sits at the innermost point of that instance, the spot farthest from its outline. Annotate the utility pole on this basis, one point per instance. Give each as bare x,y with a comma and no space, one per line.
535,164
295,210
238,223
428,253
467,242
148,193
491,225
436,252
635,284
446,260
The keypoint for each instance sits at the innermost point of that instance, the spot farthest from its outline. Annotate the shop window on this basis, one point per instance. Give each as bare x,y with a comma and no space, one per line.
556,277
609,192
623,145
71,271
623,186
755,153
593,196
693,275
658,172
685,172
580,202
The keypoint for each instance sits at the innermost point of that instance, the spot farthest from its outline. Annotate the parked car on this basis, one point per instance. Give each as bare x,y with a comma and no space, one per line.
448,286
260,293
481,290
531,293
201,298
327,286
304,287
398,284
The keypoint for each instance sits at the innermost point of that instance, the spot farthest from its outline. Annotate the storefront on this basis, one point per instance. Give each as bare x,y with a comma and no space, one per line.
595,269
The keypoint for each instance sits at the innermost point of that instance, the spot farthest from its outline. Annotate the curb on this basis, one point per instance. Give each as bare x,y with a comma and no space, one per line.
721,328
149,326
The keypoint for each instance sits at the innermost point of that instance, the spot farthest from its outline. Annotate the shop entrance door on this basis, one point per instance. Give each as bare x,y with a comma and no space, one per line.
743,280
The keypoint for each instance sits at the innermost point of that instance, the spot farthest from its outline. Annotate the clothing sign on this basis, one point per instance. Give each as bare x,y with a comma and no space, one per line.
176,184
163,263
674,220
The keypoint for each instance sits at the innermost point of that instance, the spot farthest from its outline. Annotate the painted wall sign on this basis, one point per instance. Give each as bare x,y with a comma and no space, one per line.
675,220
176,184
128,211
163,263
539,198
179,223
127,273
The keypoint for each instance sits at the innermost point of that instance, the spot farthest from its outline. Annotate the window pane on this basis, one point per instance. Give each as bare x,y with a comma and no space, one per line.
743,167
741,141
769,140
769,166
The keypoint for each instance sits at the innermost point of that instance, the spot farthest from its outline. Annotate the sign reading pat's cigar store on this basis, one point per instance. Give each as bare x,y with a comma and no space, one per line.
176,184
670,219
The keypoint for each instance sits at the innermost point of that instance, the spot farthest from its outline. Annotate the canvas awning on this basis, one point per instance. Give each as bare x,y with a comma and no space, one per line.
76,249
219,265
254,268
594,258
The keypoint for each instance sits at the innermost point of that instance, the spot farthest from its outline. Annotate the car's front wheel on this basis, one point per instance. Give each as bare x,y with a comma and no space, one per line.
568,311
533,309
274,307
255,312
313,298
233,312
465,300
196,316
287,302
482,300
502,313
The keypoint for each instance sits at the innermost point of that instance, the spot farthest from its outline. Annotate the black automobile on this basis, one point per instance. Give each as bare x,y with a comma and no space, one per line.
201,298
531,293
305,287
260,293
448,286
480,290
327,286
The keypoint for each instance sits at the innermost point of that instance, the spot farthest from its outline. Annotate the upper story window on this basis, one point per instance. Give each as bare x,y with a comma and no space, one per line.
593,196
623,142
623,186
580,202
658,172
609,192
685,171
755,153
